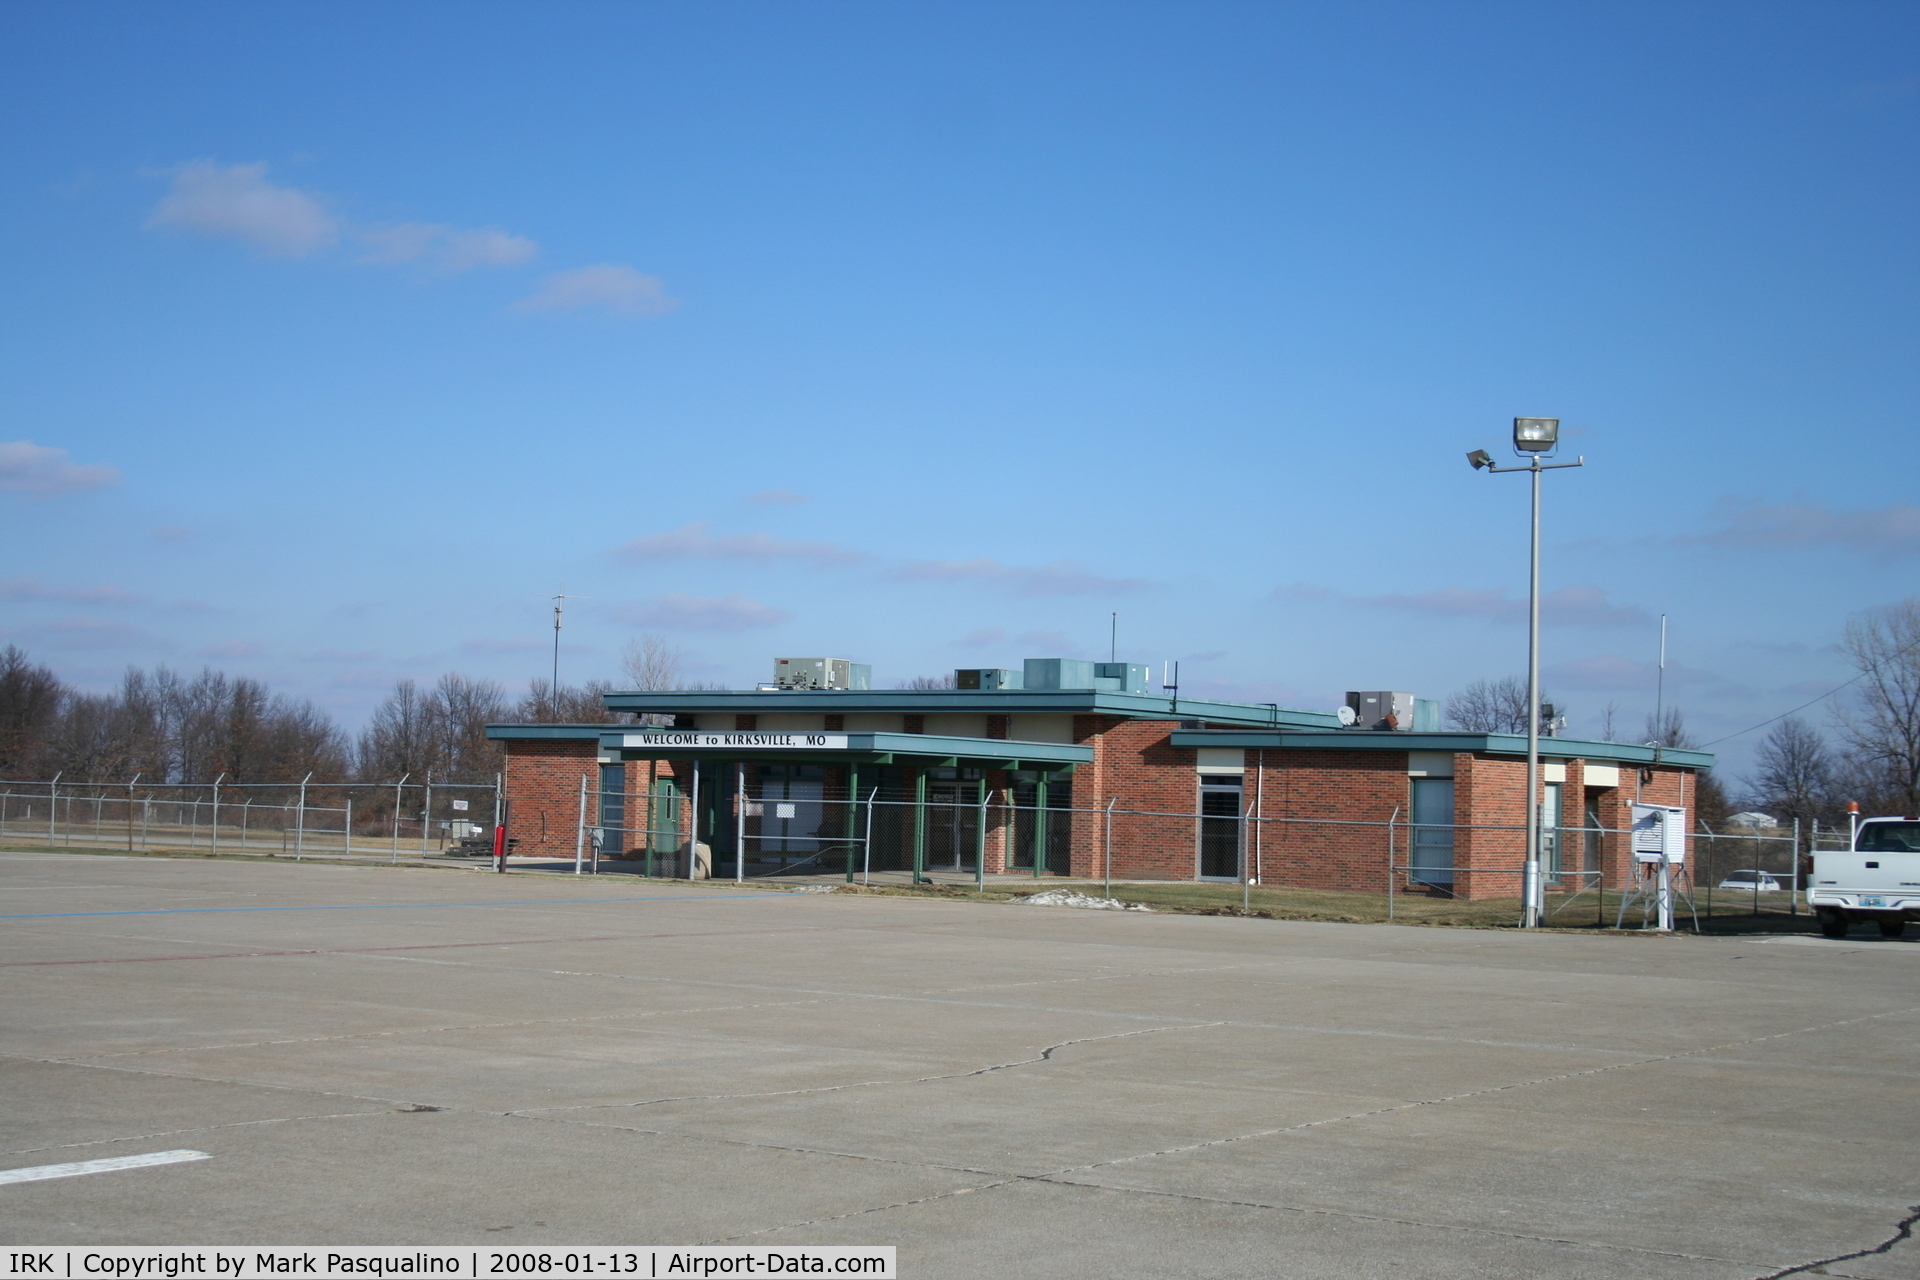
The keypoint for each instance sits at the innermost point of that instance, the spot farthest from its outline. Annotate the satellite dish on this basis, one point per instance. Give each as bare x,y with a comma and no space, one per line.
1346,716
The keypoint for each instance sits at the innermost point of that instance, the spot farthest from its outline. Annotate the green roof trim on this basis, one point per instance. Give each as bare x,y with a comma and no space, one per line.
924,748
1128,706
1498,744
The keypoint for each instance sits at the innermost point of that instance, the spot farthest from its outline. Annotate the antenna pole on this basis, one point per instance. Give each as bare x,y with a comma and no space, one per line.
1660,686
559,604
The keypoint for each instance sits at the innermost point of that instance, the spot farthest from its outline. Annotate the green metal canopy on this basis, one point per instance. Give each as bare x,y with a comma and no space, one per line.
1498,744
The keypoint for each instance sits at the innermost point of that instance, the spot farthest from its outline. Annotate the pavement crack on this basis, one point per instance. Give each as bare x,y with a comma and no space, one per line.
1045,1055
876,1208
201,1128
1477,1093
1903,1230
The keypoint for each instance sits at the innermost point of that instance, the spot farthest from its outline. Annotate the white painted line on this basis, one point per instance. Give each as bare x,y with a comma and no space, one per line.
40,1173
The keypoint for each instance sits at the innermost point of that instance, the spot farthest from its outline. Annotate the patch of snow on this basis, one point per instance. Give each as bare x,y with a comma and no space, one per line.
1070,898
810,888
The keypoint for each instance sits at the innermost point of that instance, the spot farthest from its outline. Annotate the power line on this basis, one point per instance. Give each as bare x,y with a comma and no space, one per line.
1822,698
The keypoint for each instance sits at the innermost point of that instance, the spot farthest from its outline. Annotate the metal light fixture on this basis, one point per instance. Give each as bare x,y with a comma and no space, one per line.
1535,435
1532,437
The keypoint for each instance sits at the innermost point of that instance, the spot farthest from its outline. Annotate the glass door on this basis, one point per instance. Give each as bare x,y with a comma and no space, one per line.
1220,826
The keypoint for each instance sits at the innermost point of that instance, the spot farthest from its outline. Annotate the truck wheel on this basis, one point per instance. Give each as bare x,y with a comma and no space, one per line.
1892,926
1833,924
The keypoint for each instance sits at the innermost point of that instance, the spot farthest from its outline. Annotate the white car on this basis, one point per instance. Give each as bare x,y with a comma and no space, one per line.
1751,881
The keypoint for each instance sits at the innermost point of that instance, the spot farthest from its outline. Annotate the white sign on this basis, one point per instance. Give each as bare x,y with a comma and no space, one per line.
740,740
783,810
459,806
1660,833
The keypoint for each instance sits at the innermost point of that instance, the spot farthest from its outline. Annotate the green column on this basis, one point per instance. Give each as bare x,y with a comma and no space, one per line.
919,825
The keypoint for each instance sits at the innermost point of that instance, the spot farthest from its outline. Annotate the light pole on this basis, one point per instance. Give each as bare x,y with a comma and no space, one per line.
1532,437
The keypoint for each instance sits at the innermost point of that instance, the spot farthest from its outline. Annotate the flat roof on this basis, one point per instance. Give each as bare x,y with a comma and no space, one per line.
1498,744
647,742
1128,706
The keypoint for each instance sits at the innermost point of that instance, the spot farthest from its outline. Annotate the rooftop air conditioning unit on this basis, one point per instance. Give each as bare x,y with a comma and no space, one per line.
1384,709
986,678
821,673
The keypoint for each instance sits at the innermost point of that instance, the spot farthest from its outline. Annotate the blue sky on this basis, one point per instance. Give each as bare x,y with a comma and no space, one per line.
339,336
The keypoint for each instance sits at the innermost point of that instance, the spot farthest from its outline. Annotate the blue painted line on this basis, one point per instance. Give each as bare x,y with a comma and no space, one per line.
393,906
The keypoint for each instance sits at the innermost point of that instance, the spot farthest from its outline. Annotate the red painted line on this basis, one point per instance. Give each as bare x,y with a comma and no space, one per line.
422,946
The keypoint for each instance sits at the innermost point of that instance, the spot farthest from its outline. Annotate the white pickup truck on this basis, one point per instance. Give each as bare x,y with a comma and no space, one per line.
1878,879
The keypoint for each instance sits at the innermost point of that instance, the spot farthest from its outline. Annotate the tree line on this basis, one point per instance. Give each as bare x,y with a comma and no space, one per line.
166,726
1868,752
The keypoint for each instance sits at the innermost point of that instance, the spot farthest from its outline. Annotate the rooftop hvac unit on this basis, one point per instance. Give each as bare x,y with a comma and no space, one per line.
821,673
1385,709
986,678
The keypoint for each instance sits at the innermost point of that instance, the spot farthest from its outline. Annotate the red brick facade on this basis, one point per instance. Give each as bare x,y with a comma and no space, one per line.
1324,818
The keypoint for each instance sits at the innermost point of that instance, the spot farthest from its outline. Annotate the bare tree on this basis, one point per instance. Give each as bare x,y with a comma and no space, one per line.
1795,775
1608,715
30,697
1495,706
464,707
1881,726
401,738
572,704
650,663
1669,729
930,682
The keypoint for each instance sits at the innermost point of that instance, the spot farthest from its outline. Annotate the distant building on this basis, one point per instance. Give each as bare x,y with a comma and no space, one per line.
1072,768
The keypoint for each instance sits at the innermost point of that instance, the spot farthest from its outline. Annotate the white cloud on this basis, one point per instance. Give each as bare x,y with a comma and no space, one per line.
450,250
1569,606
29,587
1060,578
693,542
1892,530
700,613
237,202
46,472
618,290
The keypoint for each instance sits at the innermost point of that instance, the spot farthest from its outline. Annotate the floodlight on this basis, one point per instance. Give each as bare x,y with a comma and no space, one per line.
1536,435
1480,458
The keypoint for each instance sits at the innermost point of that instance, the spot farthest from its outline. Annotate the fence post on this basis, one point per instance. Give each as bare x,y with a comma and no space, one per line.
1793,885
580,827
1107,843
426,812
300,821
134,779
53,805
213,839
866,873
396,813
1391,819
346,832
740,823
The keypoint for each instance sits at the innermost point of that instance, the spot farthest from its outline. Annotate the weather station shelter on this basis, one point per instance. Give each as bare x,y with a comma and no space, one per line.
1066,767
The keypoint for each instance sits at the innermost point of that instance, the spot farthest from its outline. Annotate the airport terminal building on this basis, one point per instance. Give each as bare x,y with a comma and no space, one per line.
1069,768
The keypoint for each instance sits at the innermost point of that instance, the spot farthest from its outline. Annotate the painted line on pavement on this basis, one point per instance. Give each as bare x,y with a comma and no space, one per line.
40,1173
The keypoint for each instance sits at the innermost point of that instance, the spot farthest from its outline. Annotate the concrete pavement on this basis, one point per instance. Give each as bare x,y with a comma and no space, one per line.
403,1056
